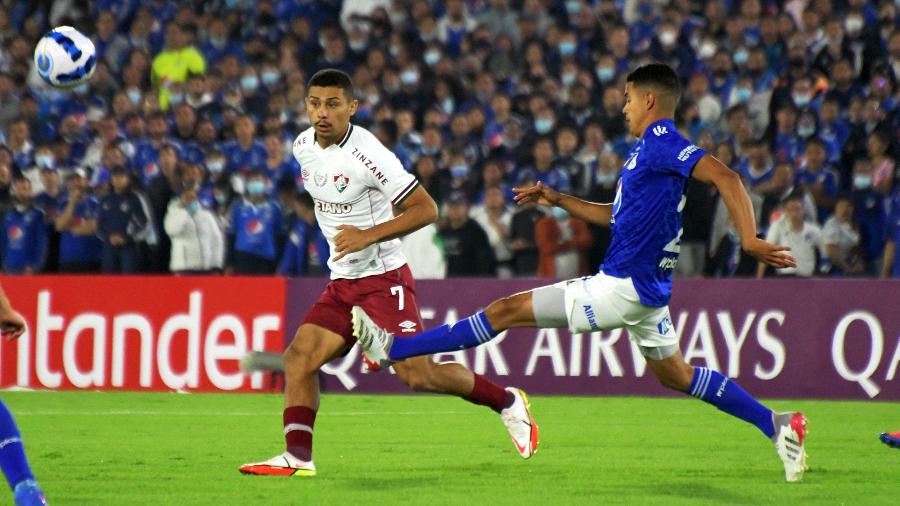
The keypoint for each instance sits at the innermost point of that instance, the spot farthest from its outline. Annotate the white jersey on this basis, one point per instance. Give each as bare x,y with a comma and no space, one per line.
354,182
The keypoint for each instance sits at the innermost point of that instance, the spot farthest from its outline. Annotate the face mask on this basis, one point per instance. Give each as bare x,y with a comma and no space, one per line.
44,161
269,77
358,46
560,214
742,94
707,50
459,171
394,50
409,77
249,83
193,207
606,178
740,57
432,57
430,150
81,90
221,198
448,104
568,78
256,187
573,7
134,96
801,100
218,42
862,181
216,166
176,98
323,42
543,125
853,24
667,38
806,131
567,48
604,74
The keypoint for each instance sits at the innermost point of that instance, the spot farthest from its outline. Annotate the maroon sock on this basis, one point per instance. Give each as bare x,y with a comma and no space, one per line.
298,431
489,394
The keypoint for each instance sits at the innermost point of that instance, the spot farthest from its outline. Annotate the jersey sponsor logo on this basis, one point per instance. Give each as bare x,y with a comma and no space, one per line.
15,233
341,182
333,208
591,316
668,263
686,152
721,389
407,326
659,130
632,162
320,178
151,169
254,227
367,162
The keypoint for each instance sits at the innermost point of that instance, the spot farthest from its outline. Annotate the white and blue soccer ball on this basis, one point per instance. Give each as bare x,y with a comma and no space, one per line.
65,57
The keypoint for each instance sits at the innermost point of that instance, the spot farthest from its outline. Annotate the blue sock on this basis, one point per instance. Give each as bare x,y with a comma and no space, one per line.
12,453
466,333
711,386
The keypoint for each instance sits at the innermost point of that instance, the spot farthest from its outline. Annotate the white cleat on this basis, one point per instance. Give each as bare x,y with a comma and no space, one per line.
374,340
790,436
521,425
280,465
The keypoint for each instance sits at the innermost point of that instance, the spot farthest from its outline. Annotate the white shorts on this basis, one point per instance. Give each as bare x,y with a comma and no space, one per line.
602,302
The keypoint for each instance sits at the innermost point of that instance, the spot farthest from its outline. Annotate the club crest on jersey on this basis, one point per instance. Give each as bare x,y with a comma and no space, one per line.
341,182
659,130
320,179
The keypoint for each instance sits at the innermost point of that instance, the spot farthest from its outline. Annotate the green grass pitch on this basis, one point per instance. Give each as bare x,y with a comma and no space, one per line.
96,448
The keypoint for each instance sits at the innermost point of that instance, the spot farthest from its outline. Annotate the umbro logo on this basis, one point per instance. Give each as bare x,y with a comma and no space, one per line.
660,130
407,326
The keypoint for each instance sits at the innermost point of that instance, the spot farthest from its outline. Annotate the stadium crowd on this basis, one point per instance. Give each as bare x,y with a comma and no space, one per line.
176,155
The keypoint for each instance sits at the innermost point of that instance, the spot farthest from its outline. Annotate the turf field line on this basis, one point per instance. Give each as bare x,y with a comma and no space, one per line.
143,412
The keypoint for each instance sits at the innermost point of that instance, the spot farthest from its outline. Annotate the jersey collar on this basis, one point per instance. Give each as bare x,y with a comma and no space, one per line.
340,144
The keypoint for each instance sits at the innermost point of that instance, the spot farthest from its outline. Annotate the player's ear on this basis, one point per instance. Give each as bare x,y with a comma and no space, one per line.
650,99
353,106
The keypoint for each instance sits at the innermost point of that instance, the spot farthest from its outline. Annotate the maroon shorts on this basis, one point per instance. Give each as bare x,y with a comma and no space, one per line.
389,299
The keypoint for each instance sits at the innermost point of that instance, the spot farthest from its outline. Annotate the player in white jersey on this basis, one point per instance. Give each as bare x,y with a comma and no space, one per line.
357,184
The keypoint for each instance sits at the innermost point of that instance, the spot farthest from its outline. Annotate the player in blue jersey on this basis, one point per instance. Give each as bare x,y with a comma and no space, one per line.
634,284
12,453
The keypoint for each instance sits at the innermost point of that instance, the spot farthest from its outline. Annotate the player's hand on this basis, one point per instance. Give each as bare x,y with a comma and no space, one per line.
350,239
12,325
537,194
770,254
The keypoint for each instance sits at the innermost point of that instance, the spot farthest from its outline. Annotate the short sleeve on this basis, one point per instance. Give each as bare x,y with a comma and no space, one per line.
673,153
385,172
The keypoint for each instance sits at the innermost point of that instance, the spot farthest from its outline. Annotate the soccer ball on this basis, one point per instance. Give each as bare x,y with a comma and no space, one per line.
64,57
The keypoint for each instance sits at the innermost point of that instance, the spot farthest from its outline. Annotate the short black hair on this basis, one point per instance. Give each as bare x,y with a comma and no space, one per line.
659,76
332,78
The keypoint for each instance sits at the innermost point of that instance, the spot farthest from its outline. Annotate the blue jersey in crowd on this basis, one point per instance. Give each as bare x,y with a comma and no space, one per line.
305,240
242,161
24,240
121,213
256,228
646,213
146,159
50,205
80,248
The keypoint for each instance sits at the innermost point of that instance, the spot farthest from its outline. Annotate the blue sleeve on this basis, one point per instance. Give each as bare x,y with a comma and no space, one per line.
673,153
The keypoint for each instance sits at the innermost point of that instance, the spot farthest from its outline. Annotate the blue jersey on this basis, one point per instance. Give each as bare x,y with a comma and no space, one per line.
305,241
646,213
257,227
80,248
242,161
24,240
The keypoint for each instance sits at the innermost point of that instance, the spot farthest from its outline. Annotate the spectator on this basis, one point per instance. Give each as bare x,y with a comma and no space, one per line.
522,240
495,217
119,222
890,267
562,243
883,164
869,213
80,248
24,240
818,179
840,235
544,169
256,230
306,251
19,143
49,201
245,152
803,237
466,244
197,242
176,61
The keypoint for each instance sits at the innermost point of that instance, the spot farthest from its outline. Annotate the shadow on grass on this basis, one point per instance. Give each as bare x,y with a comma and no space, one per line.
699,491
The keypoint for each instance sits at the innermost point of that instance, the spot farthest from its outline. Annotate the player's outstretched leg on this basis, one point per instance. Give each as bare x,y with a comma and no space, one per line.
423,375
891,439
15,464
786,430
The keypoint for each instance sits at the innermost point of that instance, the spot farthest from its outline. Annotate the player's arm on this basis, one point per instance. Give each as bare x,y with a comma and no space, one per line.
12,325
416,210
591,212
710,170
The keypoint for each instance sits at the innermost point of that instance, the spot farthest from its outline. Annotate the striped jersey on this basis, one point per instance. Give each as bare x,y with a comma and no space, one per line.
354,182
